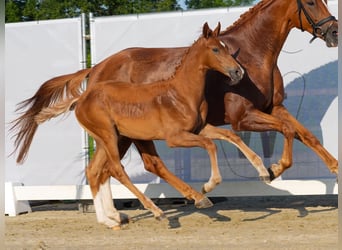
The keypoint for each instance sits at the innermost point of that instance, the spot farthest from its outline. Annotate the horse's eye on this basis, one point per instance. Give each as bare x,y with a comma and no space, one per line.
311,3
216,50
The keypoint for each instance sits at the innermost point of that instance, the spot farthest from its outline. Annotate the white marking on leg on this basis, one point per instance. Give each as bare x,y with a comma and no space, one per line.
107,201
100,214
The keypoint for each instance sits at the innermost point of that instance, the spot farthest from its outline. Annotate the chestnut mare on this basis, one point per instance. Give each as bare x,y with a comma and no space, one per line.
256,104
173,110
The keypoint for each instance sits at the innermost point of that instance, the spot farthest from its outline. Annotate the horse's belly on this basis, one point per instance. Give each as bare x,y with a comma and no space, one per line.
141,129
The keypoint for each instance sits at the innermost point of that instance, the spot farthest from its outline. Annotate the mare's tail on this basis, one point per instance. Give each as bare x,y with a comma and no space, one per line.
50,94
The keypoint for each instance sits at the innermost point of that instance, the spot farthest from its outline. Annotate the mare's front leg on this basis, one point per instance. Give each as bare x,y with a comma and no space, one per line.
306,137
187,139
255,120
300,132
229,136
154,164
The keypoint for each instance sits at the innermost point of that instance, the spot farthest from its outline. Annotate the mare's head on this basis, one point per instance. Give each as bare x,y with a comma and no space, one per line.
313,16
217,56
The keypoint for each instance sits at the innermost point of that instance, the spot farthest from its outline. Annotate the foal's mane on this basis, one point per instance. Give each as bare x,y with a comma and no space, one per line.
185,55
245,17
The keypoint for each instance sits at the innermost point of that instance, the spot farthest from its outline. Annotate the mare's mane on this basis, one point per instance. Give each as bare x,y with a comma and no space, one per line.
246,16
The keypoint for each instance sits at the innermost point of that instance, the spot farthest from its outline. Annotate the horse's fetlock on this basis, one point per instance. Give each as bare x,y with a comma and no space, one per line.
217,180
285,163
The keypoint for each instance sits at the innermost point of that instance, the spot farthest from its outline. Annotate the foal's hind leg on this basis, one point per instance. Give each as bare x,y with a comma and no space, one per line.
108,204
105,188
154,164
97,176
106,137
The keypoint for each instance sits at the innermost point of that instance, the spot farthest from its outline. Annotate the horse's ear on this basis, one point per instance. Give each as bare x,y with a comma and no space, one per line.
217,30
235,55
206,30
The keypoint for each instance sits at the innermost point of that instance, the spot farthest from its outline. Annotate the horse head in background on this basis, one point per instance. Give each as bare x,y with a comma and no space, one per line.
323,24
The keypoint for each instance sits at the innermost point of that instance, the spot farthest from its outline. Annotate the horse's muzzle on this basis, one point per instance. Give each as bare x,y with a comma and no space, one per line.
236,75
331,36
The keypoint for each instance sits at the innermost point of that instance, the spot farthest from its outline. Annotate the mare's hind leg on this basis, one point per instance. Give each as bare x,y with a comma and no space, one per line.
154,164
229,136
97,177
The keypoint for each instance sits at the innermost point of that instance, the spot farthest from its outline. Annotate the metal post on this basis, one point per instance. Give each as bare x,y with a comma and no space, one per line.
84,83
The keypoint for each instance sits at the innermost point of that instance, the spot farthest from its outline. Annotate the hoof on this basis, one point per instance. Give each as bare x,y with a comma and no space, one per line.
203,190
161,217
272,176
265,179
116,228
204,203
124,219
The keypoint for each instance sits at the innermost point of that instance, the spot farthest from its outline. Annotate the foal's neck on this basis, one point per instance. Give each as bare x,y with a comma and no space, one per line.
192,70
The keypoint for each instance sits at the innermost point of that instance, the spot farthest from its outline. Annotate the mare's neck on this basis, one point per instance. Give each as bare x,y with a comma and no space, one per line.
262,31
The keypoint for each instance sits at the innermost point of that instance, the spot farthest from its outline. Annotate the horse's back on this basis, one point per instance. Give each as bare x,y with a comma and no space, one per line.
138,65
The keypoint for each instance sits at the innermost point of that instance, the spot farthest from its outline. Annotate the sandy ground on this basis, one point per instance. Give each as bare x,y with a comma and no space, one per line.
302,222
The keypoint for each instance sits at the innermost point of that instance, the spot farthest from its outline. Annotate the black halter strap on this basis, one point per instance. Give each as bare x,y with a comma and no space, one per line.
315,26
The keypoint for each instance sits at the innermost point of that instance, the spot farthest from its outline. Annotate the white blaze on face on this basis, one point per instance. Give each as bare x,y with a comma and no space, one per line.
324,3
223,44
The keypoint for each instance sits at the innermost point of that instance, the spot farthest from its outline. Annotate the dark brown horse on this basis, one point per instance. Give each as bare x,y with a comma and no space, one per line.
173,110
253,105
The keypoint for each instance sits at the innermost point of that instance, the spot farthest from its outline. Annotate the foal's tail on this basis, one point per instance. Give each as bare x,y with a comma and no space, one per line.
55,110
52,93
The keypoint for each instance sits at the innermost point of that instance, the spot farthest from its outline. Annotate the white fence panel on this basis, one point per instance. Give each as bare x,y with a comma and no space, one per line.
35,53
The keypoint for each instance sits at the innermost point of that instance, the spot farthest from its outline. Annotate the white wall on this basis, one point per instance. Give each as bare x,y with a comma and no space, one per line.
35,53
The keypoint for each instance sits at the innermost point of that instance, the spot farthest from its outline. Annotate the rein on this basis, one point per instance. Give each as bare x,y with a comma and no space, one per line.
315,26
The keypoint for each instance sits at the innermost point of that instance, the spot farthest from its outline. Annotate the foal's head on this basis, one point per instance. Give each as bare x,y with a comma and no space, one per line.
217,55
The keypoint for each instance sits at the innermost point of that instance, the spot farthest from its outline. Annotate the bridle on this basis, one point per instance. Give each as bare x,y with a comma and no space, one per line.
316,27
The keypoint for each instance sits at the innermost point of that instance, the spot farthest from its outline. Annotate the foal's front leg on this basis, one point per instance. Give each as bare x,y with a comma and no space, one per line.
187,139
229,136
